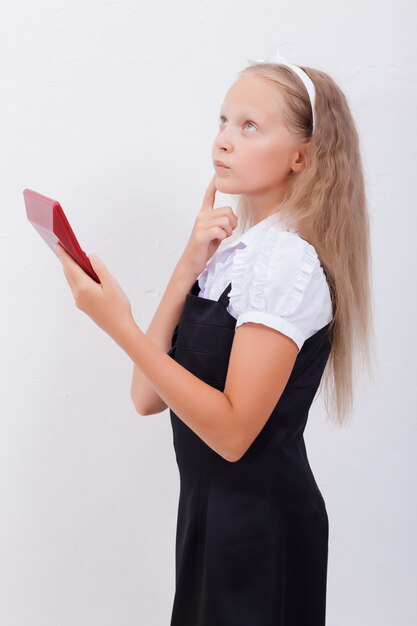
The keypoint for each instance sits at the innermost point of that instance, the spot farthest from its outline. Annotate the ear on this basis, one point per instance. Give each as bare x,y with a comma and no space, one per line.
299,162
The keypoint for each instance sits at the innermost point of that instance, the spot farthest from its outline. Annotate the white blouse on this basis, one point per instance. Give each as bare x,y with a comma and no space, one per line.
276,277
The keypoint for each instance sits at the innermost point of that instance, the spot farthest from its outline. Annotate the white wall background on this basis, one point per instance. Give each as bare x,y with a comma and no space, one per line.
111,108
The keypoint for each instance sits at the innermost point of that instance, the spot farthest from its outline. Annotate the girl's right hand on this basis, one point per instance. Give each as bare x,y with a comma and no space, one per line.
210,228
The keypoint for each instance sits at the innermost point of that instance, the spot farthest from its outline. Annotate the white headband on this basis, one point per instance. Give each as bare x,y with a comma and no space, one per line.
274,56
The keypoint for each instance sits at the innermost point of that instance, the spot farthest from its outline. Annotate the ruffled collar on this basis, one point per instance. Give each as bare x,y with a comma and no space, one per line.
253,232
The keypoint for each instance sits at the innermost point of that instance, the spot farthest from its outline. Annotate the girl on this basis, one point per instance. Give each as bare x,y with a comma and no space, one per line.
260,309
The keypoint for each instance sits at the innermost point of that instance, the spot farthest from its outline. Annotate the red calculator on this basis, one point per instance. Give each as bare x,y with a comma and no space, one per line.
47,216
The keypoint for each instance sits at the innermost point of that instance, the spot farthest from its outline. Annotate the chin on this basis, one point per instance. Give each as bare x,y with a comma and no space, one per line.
226,186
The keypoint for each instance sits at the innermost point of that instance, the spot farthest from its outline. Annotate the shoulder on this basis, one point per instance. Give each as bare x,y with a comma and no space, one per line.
279,243
278,265
279,281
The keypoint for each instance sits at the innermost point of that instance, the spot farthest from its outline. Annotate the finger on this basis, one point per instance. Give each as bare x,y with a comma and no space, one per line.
73,272
100,269
209,196
62,254
57,248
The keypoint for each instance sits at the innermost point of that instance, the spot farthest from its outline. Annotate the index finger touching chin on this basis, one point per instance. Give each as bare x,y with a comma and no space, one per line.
209,196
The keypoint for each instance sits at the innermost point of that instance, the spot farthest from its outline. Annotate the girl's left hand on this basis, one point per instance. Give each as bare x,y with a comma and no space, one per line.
106,303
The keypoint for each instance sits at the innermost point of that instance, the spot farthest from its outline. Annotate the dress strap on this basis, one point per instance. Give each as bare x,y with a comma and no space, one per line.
224,298
195,289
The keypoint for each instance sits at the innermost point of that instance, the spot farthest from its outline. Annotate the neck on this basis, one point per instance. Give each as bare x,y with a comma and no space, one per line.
264,203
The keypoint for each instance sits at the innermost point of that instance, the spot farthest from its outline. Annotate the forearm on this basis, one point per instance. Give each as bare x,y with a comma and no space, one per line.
206,410
160,331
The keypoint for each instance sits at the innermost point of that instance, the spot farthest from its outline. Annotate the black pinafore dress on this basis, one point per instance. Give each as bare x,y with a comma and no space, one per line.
252,535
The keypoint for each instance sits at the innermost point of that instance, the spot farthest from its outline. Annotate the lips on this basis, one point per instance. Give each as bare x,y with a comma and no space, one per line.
221,164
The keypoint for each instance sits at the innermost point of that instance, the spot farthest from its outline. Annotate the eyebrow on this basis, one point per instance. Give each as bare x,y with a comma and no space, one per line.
254,114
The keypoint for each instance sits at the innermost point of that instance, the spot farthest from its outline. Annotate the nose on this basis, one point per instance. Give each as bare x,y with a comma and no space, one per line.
222,142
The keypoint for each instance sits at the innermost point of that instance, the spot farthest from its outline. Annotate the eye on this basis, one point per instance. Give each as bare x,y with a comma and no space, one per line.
245,124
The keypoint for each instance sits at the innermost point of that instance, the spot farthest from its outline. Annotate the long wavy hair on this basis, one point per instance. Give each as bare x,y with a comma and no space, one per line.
327,203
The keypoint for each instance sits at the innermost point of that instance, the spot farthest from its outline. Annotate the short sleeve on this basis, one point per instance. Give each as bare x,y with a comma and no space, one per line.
282,286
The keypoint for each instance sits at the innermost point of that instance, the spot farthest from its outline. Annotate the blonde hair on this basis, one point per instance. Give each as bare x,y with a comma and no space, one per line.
327,203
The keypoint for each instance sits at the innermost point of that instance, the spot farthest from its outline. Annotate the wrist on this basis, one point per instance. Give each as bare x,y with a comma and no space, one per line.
185,272
125,332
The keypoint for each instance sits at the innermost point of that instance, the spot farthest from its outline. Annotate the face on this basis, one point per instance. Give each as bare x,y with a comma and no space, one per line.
252,139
